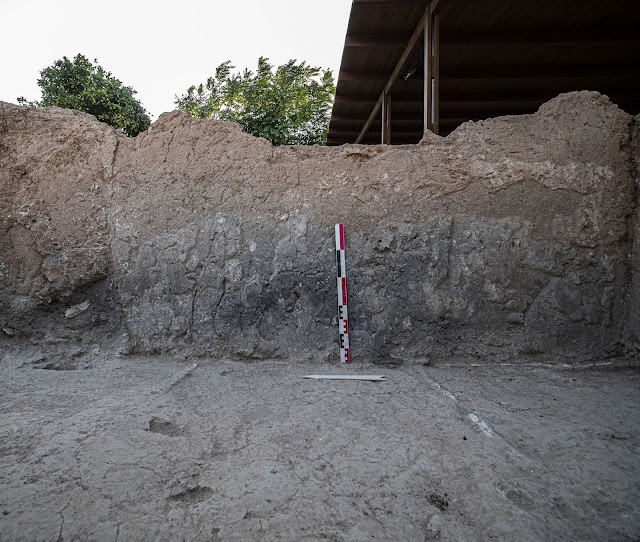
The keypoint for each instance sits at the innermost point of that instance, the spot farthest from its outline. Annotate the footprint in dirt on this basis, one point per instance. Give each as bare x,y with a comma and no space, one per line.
164,427
192,495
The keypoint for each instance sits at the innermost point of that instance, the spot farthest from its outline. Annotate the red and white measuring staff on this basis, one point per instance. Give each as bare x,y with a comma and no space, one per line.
343,324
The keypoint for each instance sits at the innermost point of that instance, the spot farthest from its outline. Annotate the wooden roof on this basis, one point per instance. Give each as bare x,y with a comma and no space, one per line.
494,57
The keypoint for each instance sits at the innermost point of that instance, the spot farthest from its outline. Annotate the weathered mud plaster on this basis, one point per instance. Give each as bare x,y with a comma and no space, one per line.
633,293
512,237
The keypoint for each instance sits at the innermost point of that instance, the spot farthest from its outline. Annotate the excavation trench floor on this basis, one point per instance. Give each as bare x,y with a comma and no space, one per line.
143,448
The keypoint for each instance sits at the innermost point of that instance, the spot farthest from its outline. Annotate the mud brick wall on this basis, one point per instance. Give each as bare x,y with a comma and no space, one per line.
633,292
511,238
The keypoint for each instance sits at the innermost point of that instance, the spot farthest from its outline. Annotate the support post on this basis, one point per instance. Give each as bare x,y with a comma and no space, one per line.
427,74
432,71
435,97
386,119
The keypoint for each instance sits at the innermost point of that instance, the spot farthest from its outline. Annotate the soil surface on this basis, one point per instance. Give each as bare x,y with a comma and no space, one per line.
157,448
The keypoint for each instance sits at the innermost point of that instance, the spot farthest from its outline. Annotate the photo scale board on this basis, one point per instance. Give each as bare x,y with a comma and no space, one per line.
343,319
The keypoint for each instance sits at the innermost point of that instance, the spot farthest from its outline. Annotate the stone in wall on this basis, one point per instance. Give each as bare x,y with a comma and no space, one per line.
508,239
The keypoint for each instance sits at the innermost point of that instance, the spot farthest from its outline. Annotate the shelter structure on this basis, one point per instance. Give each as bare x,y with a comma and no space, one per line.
413,65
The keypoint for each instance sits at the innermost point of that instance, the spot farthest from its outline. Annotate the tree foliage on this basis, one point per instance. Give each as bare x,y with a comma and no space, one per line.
79,84
288,106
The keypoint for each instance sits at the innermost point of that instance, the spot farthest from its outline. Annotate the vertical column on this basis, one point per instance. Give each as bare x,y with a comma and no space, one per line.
435,72
383,118
343,319
386,119
428,88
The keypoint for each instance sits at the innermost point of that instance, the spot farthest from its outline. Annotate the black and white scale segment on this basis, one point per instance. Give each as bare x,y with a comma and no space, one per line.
343,324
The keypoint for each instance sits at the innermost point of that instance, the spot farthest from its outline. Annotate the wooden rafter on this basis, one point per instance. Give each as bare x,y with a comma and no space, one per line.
485,96
540,36
479,73
362,75
384,2
375,40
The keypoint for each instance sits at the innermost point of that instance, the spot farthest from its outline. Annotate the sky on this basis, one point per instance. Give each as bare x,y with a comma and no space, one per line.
161,48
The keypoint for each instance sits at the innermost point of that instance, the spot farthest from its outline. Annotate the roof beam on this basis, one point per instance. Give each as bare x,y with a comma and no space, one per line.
506,96
362,75
499,96
354,99
348,136
508,72
543,36
375,40
399,66
539,72
344,122
370,141
360,99
388,2
457,97
353,118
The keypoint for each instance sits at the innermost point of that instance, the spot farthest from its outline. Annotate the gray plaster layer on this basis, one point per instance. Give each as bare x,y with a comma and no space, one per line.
511,237
633,293
146,448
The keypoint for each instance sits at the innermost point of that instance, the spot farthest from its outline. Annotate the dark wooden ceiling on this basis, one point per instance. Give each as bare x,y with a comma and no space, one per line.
496,57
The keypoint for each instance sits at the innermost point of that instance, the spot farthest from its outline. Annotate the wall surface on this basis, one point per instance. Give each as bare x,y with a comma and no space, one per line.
633,293
511,238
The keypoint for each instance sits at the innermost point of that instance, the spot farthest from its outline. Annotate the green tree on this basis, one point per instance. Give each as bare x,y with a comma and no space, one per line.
87,87
291,106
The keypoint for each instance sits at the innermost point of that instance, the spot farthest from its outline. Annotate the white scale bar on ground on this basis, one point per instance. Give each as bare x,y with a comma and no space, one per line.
371,378
343,324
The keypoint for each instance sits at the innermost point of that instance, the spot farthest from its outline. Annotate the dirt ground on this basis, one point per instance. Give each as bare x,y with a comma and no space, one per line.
142,448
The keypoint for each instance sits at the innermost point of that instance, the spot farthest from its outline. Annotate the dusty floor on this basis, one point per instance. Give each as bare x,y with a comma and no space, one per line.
159,449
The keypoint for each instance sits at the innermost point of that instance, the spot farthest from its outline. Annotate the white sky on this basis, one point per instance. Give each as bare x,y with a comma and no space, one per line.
161,48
